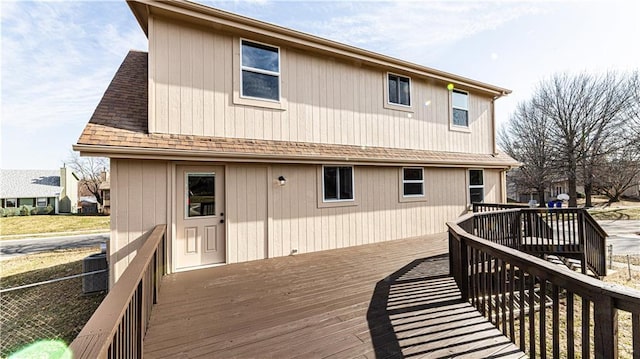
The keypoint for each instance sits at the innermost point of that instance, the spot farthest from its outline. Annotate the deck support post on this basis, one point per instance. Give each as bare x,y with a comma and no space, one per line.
606,327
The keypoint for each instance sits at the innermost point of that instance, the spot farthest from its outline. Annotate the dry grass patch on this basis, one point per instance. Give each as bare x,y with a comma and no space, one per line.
49,311
52,224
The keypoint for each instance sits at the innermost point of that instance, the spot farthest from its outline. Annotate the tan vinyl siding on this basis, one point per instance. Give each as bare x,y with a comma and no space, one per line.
325,100
138,203
493,186
293,220
246,217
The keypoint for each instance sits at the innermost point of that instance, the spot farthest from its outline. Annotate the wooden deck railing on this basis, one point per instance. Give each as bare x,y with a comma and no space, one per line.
568,232
535,302
118,326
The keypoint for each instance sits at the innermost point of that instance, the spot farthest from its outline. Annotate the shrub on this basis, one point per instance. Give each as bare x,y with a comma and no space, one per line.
34,211
48,209
3,212
24,211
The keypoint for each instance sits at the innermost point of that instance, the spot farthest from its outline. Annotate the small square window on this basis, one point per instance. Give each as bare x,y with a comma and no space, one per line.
413,181
10,203
337,183
399,90
460,108
41,202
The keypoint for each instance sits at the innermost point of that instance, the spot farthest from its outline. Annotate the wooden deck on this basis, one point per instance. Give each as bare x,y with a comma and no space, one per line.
385,300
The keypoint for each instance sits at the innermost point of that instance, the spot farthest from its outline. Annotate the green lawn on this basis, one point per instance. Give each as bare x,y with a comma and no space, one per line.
51,224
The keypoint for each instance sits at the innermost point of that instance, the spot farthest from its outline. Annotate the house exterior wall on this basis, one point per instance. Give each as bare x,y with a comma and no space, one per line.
266,220
139,202
193,90
68,202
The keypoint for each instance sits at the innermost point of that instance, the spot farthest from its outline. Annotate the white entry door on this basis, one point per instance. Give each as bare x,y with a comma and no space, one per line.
200,237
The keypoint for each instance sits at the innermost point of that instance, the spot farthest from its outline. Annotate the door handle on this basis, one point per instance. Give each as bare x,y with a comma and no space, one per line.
222,221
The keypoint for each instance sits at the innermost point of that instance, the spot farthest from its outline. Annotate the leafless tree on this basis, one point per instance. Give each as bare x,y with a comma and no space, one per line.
526,138
91,171
618,173
586,115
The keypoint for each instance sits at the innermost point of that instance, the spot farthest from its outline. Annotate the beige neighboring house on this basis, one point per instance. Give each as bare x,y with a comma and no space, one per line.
252,141
39,189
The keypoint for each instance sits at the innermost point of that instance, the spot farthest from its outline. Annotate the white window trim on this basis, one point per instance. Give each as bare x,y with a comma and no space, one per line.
261,71
38,200
414,197
14,200
186,195
335,203
453,126
353,185
413,181
396,106
475,186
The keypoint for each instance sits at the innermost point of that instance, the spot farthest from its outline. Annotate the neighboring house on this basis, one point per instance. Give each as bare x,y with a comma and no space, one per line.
633,191
105,191
39,188
254,141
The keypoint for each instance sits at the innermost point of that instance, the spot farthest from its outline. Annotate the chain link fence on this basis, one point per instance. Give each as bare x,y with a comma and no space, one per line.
51,310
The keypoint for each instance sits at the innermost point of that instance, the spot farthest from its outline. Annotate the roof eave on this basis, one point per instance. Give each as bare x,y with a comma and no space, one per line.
181,155
194,11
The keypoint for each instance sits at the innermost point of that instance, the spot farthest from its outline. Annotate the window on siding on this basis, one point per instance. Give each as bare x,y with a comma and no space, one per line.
10,203
399,90
413,181
41,202
460,104
476,186
260,71
337,183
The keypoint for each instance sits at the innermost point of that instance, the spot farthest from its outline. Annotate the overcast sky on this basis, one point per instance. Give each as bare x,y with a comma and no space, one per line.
59,57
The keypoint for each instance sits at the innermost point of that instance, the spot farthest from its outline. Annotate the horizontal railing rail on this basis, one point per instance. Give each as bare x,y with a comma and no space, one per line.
487,207
118,326
543,308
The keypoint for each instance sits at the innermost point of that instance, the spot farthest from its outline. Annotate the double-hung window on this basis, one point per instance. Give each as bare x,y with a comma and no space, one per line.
260,71
413,182
399,90
476,186
41,202
460,108
337,183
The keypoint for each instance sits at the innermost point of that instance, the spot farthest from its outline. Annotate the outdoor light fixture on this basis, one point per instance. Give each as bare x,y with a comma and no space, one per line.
282,180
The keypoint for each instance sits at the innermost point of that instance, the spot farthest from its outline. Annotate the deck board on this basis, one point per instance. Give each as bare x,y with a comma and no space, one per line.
386,300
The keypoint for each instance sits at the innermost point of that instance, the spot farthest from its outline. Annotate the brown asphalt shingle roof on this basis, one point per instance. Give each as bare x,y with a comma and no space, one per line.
120,121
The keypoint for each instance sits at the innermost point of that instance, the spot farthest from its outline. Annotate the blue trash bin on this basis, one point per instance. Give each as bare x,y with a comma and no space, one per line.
559,204
550,204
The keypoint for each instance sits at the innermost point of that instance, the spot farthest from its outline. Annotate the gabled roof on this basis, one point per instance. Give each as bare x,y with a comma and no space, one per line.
118,128
193,12
29,183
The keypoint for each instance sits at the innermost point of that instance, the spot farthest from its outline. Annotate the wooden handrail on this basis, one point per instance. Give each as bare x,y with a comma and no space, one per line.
497,279
117,327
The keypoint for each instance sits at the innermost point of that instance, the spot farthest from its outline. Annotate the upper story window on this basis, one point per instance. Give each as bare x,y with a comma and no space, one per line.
337,183
413,181
399,90
476,186
260,71
460,105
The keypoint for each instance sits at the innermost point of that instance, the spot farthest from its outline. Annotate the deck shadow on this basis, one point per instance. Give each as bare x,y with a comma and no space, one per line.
417,311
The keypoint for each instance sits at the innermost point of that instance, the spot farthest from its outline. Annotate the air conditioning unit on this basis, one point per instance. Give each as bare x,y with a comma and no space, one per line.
95,282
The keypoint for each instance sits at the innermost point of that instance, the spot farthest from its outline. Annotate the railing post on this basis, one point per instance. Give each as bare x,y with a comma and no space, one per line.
583,244
464,269
606,328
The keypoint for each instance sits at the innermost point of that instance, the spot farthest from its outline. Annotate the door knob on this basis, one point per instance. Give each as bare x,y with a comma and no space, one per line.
222,221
